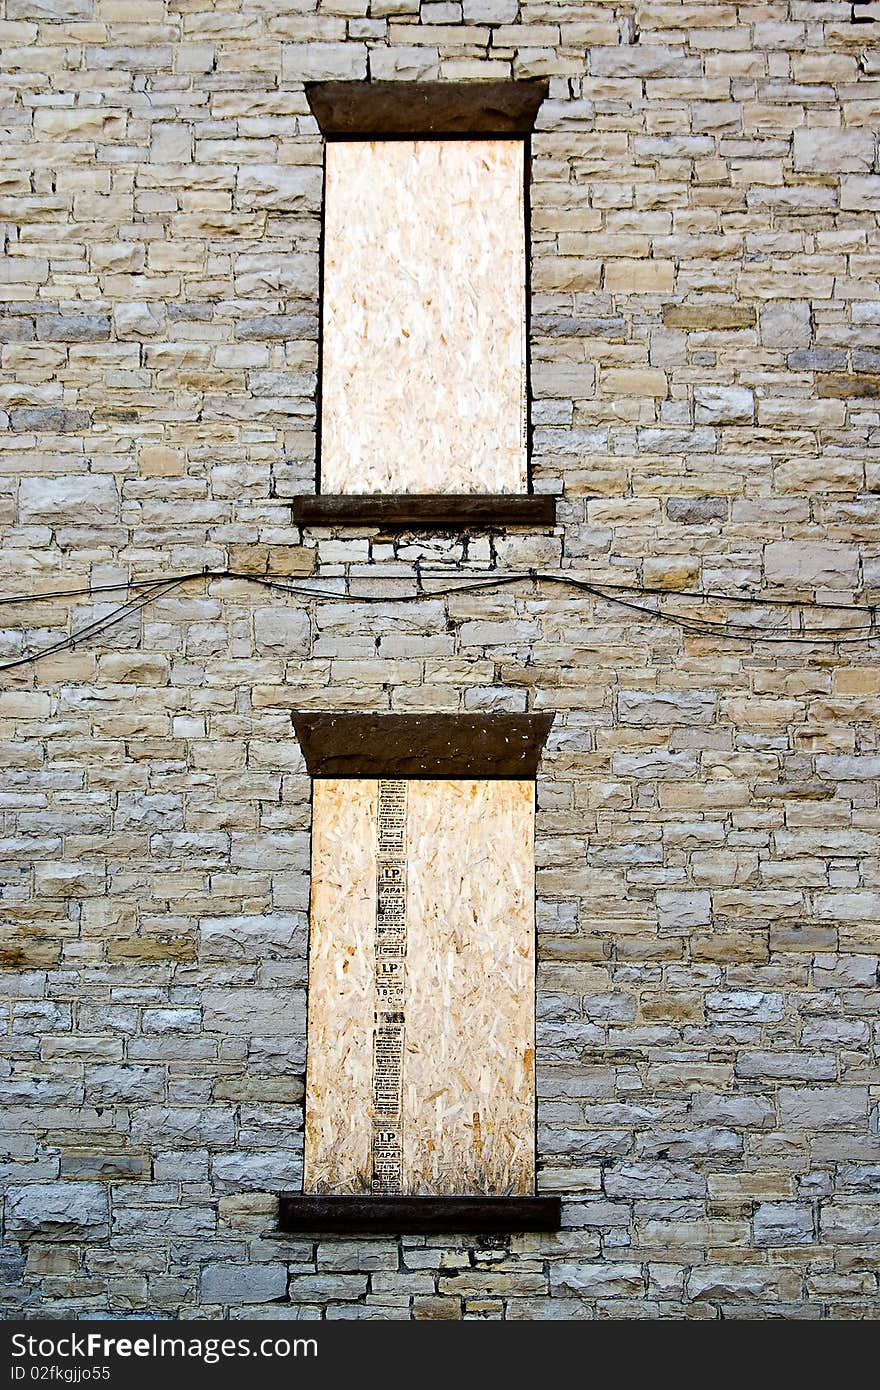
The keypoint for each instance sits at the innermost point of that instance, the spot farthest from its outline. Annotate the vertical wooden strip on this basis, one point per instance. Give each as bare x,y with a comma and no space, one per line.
342,986
390,966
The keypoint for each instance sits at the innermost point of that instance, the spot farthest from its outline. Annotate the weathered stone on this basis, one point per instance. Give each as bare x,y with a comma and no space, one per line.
679,911
137,319
786,325
67,499
823,150
665,707
811,562
282,631
723,405
51,419
302,62
234,1284
74,328
823,1106
294,188
860,193
783,1223
57,1211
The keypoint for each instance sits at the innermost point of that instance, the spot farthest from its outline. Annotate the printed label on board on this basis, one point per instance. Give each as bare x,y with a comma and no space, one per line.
386,1154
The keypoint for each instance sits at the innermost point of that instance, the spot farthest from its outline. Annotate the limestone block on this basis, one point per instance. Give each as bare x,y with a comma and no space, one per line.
57,1211
137,319
490,11
823,1107
826,150
69,498
860,193
403,63
679,911
723,405
811,562
73,328
293,188
633,381
665,707
639,277
171,142
243,1012
783,1223
748,1005
254,1171
282,631
308,62
246,1283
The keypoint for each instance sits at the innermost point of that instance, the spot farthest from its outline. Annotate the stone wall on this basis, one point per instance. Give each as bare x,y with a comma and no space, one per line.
706,373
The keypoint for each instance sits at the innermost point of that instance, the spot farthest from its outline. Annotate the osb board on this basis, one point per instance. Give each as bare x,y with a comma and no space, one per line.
468,1069
341,987
424,352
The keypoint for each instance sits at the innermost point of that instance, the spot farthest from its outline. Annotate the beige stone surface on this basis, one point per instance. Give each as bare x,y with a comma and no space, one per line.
708,824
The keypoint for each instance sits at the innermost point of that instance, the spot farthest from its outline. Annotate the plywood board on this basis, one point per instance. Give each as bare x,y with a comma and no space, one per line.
469,1071
341,987
446,1105
424,351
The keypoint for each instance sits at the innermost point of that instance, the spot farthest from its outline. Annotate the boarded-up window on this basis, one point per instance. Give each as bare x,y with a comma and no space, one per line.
421,1048
424,357
421,988
424,341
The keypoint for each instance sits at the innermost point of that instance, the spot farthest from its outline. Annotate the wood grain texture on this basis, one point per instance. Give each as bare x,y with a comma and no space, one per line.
341,987
468,1067
424,355
469,1091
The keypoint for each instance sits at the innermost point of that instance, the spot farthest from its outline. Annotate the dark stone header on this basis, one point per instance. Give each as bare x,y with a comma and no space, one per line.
494,747
418,510
393,1214
374,110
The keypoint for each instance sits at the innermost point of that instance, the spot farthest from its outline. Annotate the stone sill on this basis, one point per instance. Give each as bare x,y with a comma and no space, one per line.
418,1215
427,511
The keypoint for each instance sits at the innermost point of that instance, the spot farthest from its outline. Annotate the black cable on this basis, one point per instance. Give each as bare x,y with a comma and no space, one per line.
95,627
149,590
701,626
497,581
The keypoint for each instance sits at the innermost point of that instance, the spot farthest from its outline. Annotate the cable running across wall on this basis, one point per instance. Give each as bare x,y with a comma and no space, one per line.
626,596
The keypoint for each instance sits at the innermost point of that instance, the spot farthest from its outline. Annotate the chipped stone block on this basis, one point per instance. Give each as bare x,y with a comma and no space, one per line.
783,1223
64,1211
723,405
811,562
74,497
137,319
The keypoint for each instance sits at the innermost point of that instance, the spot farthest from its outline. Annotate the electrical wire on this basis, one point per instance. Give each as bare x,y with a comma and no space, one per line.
496,581
620,595
94,628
